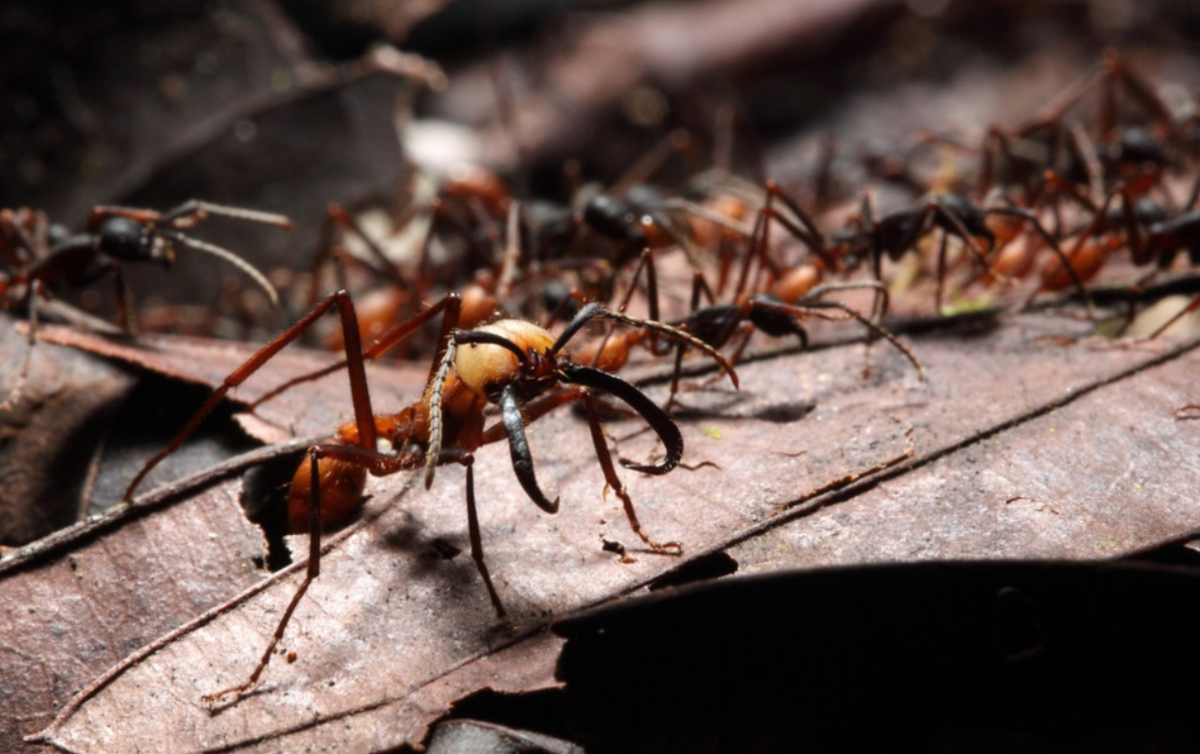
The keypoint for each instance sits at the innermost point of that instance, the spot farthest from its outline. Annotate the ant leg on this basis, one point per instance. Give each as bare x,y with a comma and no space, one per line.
699,285
881,302
1058,252
360,394
1192,306
512,251
1137,88
965,235
379,347
468,460
1067,98
126,310
809,235
809,309
674,143
336,217
940,290
645,262
353,454
614,482
36,290
757,247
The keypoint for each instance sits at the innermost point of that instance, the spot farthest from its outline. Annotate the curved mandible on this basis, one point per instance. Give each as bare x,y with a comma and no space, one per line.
518,445
659,420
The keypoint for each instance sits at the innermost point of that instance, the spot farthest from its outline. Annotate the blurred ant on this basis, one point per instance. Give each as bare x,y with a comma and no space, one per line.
512,364
617,223
775,308
1124,148
1153,235
114,236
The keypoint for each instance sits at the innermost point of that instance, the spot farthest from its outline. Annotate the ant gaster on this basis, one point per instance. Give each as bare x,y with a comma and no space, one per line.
515,365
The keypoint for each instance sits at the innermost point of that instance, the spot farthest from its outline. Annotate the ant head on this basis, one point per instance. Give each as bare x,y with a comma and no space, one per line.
129,240
508,352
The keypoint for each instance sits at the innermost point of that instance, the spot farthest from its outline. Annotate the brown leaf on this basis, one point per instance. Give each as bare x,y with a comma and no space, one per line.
46,447
73,612
389,616
319,407
1107,472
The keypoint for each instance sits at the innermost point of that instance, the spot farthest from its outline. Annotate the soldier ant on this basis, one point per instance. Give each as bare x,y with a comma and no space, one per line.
512,364
114,236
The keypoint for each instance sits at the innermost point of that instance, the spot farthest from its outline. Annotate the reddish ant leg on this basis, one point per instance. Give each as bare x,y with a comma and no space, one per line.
352,454
358,380
614,482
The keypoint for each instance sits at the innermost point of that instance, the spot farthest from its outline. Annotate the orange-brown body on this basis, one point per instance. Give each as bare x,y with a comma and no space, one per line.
1086,259
477,368
795,283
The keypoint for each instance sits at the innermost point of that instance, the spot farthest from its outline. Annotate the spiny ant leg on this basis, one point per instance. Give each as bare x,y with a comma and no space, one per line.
614,482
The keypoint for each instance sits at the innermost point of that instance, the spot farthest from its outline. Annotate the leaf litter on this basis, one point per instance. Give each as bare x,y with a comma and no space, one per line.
394,631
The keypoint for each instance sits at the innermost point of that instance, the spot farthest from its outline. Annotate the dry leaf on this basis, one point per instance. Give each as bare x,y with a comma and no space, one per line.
389,616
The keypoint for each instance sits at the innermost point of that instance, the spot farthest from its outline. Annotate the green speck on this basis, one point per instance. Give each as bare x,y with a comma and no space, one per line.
969,305
1107,544
1137,485
712,432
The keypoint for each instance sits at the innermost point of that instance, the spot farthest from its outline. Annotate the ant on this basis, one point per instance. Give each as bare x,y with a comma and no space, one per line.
1123,149
47,258
897,232
511,364
1152,234
775,308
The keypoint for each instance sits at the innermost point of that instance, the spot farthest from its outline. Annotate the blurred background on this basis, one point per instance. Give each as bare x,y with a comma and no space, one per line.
281,105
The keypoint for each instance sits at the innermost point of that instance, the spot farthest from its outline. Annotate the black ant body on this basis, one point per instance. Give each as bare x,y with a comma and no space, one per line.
514,365
116,236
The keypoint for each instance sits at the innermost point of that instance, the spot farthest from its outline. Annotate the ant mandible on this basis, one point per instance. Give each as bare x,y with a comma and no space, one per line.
513,364
113,236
